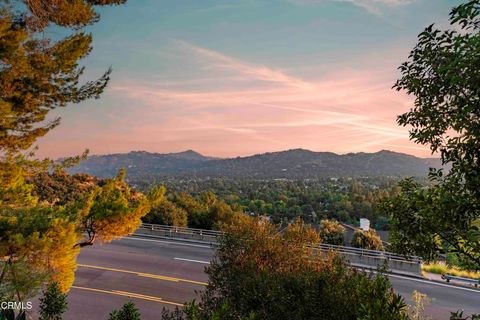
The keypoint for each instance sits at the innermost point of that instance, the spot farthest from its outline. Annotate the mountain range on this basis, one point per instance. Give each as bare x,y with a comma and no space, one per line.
290,164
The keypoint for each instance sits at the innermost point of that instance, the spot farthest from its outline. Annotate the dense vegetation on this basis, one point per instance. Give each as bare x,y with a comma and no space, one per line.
282,200
443,74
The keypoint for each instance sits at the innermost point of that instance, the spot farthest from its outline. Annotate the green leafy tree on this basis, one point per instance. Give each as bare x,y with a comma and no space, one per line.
332,232
443,75
128,312
410,232
166,212
53,303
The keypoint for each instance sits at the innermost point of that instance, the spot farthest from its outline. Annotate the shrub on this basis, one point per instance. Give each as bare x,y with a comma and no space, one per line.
367,240
258,273
332,232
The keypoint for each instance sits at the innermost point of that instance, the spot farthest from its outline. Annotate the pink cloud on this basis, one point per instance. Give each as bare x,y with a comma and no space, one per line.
341,111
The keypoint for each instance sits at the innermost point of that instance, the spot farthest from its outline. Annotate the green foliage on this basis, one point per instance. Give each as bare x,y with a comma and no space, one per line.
414,222
282,200
53,303
381,305
192,311
332,232
443,75
443,218
168,214
259,273
366,240
128,312
205,211
458,315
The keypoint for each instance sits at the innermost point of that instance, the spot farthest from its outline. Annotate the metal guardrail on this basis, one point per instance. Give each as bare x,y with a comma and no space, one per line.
191,234
449,277
370,253
356,257
210,235
185,230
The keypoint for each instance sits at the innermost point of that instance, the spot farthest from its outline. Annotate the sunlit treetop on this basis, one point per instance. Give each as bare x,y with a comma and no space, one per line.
75,14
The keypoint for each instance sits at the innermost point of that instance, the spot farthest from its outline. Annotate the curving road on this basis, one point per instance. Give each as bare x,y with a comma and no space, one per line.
158,274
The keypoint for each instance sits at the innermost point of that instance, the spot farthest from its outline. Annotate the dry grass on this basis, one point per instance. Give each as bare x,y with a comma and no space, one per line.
440,268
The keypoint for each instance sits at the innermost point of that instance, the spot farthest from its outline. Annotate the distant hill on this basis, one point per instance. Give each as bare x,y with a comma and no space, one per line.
291,164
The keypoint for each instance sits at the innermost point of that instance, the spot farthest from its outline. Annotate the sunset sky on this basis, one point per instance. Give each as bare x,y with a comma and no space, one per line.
230,78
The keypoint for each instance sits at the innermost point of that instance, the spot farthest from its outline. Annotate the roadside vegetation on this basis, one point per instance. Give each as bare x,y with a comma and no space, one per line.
441,268
258,273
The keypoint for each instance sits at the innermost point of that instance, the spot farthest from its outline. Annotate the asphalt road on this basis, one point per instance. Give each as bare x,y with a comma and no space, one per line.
158,274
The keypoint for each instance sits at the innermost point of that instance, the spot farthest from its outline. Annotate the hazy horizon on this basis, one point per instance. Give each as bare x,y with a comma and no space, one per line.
233,79
430,156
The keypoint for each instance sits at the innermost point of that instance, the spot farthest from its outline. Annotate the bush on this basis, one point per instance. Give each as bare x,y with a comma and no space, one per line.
332,232
258,273
367,240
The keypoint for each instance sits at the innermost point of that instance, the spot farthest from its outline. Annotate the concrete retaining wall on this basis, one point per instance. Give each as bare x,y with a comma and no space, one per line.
410,268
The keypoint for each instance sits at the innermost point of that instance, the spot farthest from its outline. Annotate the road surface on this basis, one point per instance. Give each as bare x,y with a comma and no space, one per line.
158,274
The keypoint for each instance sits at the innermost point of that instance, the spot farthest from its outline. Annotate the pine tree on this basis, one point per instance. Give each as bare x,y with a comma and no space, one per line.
40,240
53,303
38,74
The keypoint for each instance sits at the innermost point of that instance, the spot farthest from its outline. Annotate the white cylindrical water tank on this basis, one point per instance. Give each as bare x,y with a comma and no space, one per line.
364,224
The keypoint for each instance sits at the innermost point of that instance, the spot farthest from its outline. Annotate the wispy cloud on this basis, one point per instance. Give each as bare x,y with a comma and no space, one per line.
258,72
345,110
372,6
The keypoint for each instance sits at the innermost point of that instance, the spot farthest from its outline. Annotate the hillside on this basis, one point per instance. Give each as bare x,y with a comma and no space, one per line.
292,164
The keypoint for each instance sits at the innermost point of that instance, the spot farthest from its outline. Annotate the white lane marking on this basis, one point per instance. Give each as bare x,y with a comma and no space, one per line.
434,283
168,242
190,260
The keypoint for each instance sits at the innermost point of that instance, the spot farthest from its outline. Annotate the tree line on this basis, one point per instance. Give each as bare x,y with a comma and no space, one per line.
283,201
